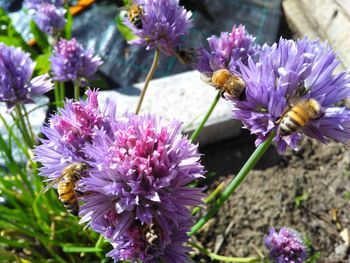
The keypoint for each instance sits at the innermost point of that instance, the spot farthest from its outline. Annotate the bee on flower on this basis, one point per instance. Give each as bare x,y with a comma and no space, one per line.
291,91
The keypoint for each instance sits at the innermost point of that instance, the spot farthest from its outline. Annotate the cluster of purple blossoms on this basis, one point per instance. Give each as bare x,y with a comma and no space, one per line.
16,69
164,22
70,61
48,15
286,246
69,131
227,51
139,179
136,186
291,71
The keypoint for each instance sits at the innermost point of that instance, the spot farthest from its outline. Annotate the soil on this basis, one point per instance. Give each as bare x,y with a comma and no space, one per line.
307,190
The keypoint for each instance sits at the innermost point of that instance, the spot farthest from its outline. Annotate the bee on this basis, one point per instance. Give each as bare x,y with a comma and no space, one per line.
225,81
66,184
299,113
186,55
135,14
152,234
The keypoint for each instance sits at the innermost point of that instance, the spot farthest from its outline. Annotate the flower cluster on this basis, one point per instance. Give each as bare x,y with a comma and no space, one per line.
48,15
136,184
139,178
164,22
70,61
298,77
227,51
16,69
286,246
68,132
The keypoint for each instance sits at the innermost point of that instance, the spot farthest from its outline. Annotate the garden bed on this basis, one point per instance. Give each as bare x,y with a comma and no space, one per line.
300,190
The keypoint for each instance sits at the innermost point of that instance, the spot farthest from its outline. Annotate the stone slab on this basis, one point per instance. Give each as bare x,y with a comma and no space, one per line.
184,97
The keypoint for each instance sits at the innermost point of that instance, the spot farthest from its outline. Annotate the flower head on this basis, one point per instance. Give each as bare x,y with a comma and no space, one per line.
138,180
286,246
227,51
49,18
69,131
163,24
16,69
70,61
296,74
34,4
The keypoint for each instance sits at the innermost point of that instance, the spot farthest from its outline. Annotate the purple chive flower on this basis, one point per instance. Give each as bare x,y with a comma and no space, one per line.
33,4
68,132
169,247
16,69
49,18
286,246
163,24
290,71
138,182
70,61
227,51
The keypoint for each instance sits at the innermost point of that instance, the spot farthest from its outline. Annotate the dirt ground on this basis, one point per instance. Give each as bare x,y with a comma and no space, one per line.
308,190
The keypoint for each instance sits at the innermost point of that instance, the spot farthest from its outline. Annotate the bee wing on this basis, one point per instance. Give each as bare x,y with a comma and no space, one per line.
52,183
206,78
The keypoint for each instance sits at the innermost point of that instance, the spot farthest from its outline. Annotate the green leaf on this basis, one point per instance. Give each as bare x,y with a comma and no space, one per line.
125,31
81,249
43,64
10,36
40,37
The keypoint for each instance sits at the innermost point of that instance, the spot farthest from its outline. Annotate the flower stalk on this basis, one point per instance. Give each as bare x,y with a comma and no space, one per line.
217,257
28,125
23,127
218,190
76,90
237,180
148,79
196,133
62,92
57,95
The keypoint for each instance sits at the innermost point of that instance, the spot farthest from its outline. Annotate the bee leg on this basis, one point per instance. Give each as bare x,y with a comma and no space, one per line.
222,94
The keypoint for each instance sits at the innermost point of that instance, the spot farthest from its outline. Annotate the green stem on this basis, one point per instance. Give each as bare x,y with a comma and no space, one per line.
206,117
210,197
57,94
77,90
214,256
62,92
148,79
99,245
13,136
237,180
26,115
22,124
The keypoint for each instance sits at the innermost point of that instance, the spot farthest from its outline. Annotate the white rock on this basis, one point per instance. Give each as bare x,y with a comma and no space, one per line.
184,97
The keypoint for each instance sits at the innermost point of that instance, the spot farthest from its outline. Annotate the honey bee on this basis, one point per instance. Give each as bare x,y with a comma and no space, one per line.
299,113
66,184
186,55
152,234
135,14
225,81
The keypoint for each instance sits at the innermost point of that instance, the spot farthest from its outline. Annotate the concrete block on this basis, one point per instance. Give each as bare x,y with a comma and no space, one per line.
184,97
